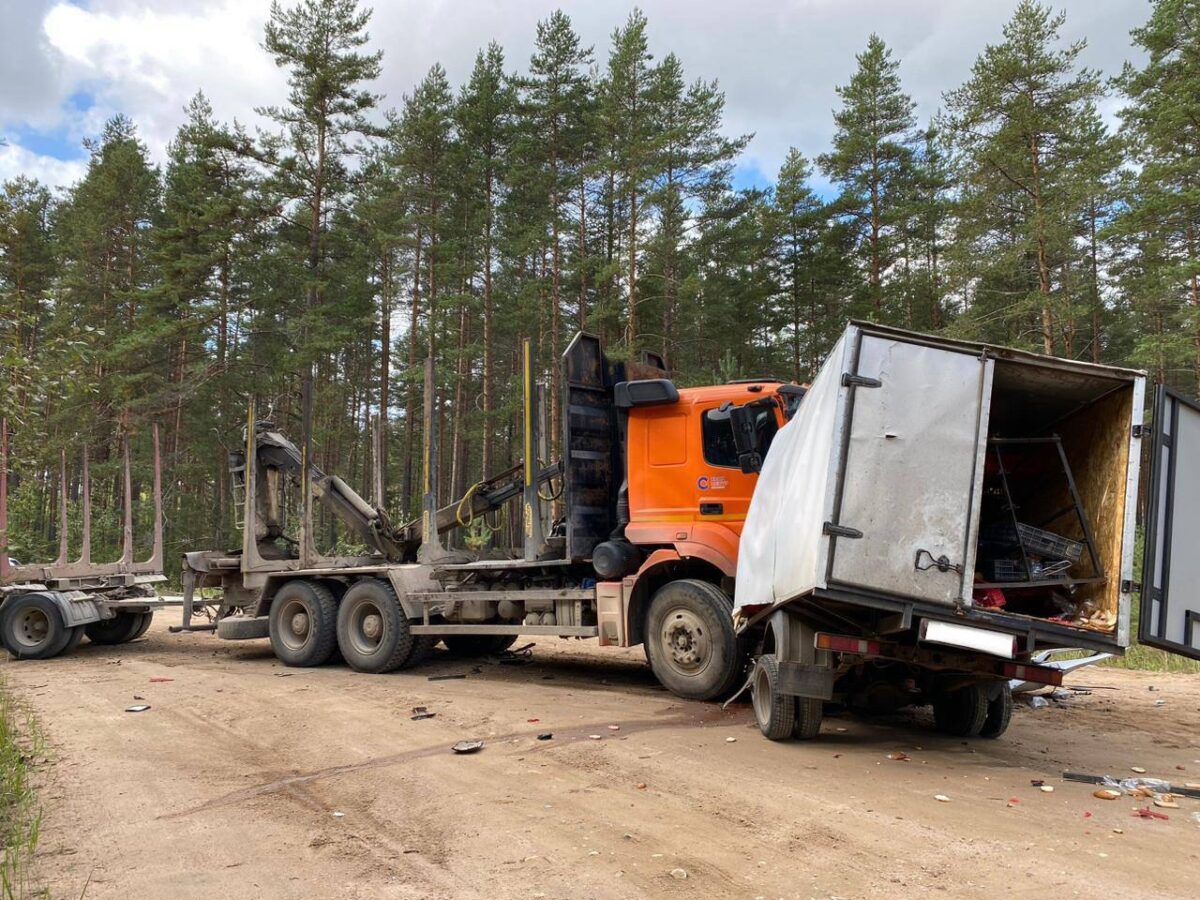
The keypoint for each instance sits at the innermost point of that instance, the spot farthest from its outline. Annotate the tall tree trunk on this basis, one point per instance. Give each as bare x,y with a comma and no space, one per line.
385,357
489,360
410,399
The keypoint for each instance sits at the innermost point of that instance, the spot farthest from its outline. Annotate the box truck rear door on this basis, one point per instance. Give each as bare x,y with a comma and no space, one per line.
1170,616
911,470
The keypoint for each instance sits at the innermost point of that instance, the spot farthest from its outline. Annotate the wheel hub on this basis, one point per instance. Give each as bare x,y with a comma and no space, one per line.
686,641
33,627
372,626
298,625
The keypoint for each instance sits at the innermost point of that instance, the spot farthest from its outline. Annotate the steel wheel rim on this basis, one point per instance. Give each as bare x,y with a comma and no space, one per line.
296,625
33,628
685,642
366,627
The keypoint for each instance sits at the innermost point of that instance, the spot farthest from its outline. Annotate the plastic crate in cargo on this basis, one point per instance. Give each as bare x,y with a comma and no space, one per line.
1040,542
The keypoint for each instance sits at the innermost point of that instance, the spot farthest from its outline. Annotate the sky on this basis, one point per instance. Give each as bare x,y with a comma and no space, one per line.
66,67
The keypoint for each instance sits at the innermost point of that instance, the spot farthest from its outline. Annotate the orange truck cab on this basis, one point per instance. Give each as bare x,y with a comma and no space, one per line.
691,458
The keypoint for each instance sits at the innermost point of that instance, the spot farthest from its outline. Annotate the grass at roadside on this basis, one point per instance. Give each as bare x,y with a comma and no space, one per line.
21,742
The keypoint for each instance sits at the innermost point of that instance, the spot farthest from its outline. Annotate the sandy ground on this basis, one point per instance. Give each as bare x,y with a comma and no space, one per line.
231,785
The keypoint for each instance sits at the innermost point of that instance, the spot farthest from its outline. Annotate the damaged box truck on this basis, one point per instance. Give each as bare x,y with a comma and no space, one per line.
938,511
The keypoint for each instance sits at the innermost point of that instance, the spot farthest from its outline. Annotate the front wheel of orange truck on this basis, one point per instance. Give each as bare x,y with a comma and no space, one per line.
690,640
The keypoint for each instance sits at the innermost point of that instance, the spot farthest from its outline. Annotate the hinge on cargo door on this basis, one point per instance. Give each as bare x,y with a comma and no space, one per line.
1139,430
840,530
849,380
1128,587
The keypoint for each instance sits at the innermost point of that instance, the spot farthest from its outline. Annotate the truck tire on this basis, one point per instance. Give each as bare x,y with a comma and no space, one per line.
478,644
243,628
999,714
303,624
690,640
73,639
809,713
372,629
961,712
32,627
147,618
120,629
774,712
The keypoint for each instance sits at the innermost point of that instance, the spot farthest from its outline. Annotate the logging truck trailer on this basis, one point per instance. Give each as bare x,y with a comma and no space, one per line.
938,512
630,537
46,609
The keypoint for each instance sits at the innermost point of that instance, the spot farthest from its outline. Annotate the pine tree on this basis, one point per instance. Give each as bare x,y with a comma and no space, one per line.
319,43
27,271
1161,224
801,219
421,140
105,234
693,164
1019,123
870,159
633,129
553,100
484,116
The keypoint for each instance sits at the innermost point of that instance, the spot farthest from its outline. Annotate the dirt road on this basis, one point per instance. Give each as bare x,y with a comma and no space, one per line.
246,779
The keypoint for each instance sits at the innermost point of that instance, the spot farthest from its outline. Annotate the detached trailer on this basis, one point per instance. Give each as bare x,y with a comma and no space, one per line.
937,512
47,608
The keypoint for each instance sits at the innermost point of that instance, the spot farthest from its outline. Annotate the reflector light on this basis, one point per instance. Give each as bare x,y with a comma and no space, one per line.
842,643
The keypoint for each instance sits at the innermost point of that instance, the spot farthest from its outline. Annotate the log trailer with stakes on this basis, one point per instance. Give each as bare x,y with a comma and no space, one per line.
47,608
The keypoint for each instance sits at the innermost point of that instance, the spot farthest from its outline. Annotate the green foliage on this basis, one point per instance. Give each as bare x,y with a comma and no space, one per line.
21,747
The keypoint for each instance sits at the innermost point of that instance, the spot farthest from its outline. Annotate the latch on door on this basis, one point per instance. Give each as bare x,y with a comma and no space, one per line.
941,563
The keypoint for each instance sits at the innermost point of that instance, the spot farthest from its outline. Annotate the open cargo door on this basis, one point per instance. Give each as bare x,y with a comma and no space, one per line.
910,471
1170,616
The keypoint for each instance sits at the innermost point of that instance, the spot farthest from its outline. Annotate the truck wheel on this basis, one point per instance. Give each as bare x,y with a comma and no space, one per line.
73,639
372,629
774,712
243,628
809,713
147,618
32,627
120,629
423,645
961,712
303,627
999,714
690,641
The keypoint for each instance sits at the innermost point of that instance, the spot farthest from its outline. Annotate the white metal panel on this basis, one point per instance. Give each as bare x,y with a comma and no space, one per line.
1171,569
909,471
781,554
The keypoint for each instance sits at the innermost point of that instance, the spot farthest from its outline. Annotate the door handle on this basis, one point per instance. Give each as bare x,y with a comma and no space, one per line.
712,509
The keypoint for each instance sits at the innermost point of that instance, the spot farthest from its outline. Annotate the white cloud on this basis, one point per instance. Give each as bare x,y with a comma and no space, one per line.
16,160
148,60
777,60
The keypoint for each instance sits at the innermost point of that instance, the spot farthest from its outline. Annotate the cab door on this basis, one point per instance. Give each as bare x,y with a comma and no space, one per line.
1170,614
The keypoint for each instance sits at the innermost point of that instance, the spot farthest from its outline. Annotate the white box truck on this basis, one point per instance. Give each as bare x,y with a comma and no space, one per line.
939,511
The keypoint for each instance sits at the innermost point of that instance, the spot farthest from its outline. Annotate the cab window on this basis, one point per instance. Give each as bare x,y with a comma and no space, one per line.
719,449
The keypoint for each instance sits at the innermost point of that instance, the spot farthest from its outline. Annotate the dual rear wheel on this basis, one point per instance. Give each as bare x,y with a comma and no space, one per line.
369,627
32,627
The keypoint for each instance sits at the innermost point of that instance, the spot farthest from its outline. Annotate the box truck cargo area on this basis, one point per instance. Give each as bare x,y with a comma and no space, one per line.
926,480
